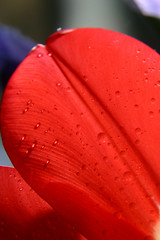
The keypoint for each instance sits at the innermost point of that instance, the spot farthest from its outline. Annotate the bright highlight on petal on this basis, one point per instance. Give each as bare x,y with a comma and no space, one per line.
80,122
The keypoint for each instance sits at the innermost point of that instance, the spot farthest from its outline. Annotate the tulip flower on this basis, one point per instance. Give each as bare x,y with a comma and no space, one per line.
80,122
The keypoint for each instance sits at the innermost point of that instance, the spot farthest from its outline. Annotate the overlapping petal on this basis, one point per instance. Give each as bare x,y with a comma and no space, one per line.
80,121
24,215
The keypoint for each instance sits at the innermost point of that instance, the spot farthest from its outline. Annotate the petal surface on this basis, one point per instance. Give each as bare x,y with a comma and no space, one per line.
80,122
24,215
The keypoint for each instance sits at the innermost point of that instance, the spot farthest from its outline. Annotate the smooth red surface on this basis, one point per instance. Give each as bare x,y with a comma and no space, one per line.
80,121
24,215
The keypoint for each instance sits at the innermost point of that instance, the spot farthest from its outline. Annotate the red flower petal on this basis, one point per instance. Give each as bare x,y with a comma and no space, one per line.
77,121
24,215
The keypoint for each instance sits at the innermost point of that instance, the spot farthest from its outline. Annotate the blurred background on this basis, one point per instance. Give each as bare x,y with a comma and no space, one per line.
35,20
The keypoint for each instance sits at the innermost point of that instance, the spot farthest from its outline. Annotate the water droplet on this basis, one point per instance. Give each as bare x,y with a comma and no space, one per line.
153,100
26,152
25,110
117,93
50,54
138,131
136,105
39,55
20,189
19,92
46,163
33,48
85,78
59,29
29,102
37,125
42,111
43,146
23,137
59,84
151,114
158,84
138,51
78,126
33,145
55,142
68,89
122,153
102,137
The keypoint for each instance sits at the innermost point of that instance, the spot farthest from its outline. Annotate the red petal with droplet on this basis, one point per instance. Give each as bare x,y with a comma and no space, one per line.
24,215
79,117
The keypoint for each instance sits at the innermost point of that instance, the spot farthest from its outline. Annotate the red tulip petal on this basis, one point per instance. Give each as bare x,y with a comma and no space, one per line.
69,121
24,215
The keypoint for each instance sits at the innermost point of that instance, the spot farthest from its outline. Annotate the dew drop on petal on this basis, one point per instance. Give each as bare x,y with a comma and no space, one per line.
59,29
68,89
29,102
151,114
37,126
46,163
152,100
26,152
25,110
33,145
138,131
59,84
55,142
102,137
50,54
23,138
117,93
19,92
39,55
